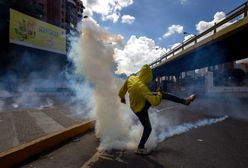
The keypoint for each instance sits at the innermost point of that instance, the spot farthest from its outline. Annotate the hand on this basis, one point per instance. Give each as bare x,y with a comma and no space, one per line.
159,89
123,101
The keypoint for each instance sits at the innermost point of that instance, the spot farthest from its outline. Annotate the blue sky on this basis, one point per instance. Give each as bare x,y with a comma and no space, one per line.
152,19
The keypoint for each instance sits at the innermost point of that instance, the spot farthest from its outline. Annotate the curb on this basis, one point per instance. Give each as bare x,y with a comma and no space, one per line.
16,155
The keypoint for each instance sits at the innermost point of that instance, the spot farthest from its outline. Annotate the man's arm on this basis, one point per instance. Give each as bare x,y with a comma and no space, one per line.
122,92
154,100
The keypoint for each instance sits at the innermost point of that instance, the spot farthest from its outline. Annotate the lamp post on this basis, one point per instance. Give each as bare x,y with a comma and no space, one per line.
187,33
193,36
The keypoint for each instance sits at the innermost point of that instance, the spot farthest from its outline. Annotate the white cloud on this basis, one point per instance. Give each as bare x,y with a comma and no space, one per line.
172,30
174,45
203,25
188,37
125,3
137,52
113,17
182,2
108,9
127,19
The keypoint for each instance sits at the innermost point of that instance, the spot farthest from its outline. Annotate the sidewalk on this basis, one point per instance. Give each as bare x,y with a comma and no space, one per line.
21,125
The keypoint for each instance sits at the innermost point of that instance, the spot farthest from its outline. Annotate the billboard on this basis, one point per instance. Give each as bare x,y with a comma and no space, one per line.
28,31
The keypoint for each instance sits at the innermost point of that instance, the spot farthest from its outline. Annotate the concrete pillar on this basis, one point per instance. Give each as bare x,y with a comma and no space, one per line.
209,81
159,79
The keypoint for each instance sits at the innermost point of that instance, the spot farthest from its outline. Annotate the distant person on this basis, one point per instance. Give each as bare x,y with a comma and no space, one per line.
141,98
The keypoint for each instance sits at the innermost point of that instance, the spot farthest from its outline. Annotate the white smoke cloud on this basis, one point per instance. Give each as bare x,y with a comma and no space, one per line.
108,9
173,29
28,97
4,94
92,56
1,105
127,19
169,131
137,52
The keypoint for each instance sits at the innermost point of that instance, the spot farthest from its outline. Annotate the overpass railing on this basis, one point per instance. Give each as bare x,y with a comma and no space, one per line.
235,13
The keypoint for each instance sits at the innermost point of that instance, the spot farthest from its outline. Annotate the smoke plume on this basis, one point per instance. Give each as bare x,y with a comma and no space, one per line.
179,129
1,105
92,56
117,127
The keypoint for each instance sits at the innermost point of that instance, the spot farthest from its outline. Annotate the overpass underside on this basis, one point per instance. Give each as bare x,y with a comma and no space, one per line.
226,45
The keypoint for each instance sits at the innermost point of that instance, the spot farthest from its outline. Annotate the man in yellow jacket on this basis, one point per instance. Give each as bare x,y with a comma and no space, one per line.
141,98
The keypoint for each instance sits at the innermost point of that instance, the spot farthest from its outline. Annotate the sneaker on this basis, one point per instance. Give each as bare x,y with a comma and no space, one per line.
189,99
142,151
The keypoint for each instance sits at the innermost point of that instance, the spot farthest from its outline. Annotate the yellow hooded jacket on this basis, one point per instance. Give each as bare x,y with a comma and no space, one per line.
138,91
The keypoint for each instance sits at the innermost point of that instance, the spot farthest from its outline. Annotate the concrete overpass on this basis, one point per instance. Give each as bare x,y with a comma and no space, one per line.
223,42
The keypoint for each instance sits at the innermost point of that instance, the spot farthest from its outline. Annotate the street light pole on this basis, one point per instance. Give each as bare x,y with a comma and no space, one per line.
186,33
192,36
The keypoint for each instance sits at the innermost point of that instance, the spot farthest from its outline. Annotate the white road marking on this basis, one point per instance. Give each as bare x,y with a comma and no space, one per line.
103,155
93,159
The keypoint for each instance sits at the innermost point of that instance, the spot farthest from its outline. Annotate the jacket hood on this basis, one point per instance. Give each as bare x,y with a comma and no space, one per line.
145,74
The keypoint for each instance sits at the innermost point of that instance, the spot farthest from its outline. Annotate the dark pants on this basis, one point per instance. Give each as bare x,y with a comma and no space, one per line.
145,121
144,117
173,98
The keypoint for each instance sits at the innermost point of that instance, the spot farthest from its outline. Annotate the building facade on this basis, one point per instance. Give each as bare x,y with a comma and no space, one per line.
63,13
20,62
74,14
56,12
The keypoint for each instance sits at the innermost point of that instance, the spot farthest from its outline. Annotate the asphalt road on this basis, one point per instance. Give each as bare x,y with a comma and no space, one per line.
220,145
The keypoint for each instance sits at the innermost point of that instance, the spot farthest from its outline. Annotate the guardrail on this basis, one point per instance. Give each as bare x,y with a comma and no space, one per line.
240,10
